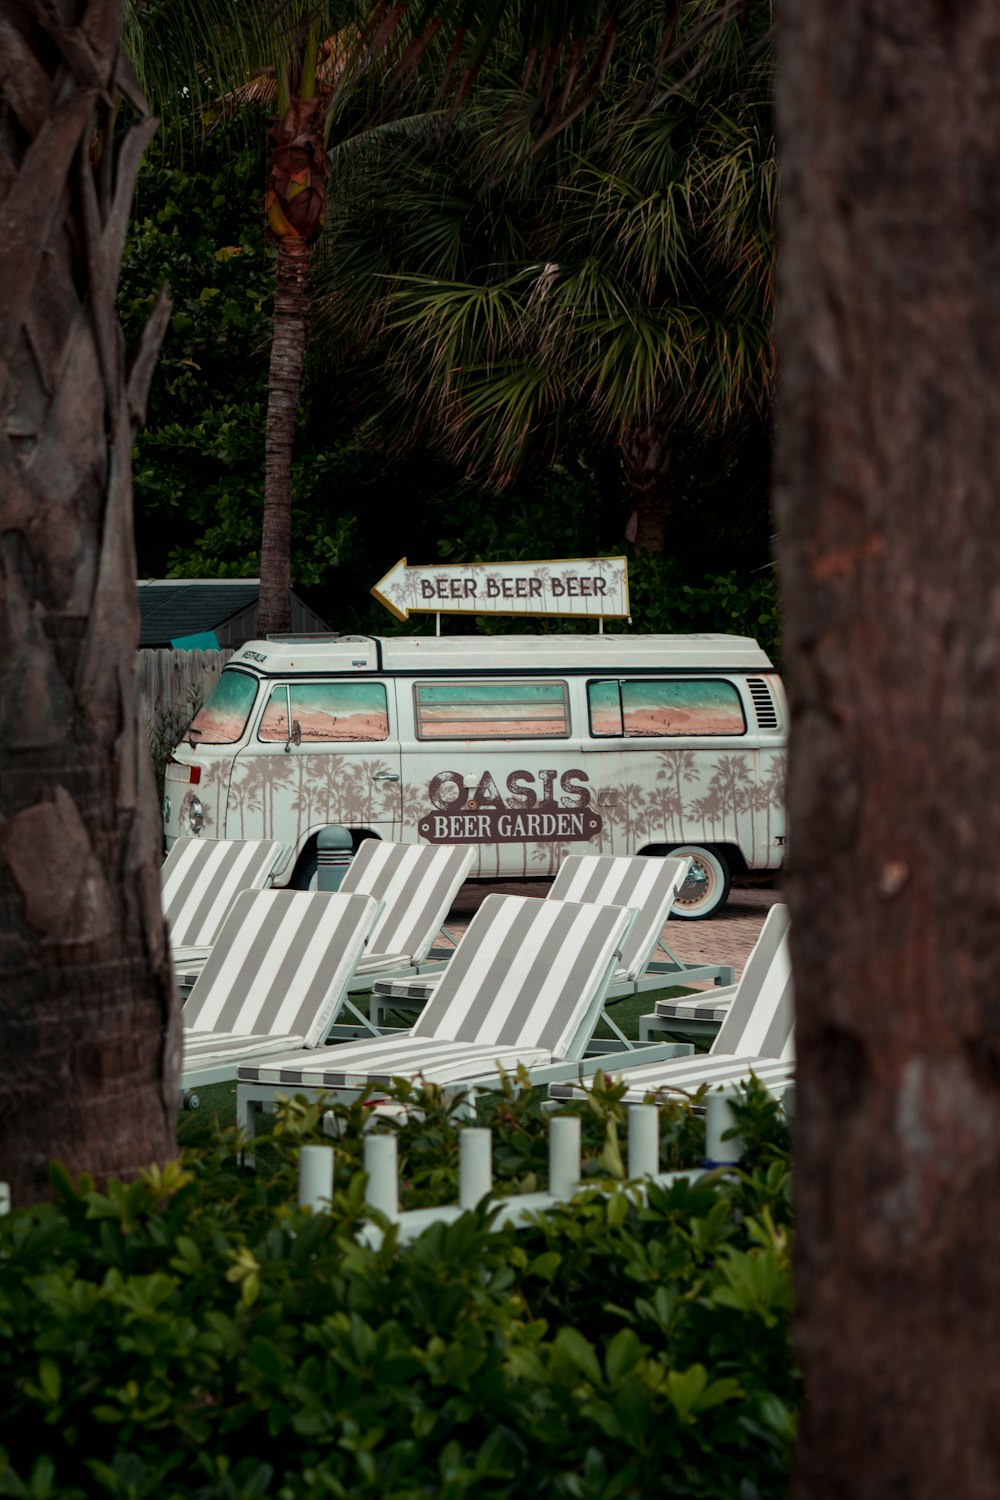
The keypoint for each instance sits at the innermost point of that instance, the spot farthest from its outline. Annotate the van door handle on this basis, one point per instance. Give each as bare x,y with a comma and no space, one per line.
385,776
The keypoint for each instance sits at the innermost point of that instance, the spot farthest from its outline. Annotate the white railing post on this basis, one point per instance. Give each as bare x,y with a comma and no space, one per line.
719,1118
643,1140
315,1177
381,1158
565,1136
475,1165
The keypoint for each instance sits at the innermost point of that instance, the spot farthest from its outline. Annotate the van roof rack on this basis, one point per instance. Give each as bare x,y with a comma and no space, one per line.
312,635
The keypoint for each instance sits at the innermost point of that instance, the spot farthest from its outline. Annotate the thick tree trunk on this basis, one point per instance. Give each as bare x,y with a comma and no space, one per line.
291,305
889,516
89,1031
295,204
646,459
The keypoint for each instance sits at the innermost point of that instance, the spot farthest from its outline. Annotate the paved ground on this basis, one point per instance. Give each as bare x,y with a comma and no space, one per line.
726,939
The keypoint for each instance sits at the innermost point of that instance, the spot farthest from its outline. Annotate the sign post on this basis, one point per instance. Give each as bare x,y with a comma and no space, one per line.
588,587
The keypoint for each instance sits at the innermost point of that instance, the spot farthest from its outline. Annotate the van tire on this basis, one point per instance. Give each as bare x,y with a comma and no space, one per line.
706,889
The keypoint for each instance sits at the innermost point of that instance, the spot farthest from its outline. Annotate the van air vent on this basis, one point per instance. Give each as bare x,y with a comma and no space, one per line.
767,714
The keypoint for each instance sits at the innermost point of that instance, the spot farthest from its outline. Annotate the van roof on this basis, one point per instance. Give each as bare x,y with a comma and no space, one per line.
503,653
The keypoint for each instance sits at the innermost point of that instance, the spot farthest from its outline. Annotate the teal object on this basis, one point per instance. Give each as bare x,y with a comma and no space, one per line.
203,640
334,852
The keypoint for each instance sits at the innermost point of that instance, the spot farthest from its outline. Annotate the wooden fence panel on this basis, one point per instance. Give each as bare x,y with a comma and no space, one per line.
172,686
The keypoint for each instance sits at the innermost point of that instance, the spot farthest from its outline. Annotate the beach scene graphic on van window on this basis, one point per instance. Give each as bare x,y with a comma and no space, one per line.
665,707
499,710
325,711
605,700
224,716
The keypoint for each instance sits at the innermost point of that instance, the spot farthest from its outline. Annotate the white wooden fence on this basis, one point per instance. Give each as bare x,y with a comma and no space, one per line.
723,1148
173,685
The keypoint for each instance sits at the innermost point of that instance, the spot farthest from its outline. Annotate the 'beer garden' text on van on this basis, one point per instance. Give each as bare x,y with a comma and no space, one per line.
526,747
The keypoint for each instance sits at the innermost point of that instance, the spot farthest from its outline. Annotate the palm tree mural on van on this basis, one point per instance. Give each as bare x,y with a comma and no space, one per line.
412,805
680,768
551,855
774,785
214,791
255,781
631,802
731,784
313,793
236,800
664,805
325,773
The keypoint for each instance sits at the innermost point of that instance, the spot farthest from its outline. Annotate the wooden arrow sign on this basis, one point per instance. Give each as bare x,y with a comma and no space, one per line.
595,587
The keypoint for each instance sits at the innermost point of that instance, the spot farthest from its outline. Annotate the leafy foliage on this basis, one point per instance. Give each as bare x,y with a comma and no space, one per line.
194,1333
199,464
496,290
665,598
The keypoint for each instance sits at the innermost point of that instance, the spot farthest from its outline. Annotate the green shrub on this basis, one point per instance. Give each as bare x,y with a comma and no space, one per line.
664,596
194,1333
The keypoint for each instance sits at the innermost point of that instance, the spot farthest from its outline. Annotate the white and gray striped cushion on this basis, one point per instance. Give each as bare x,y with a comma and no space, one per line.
757,1035
417,990
281,964
706,1005
357,1063
534,975
757,1017
647,884
200,878
525,985
687,1074
204,1047
416,883
761,1019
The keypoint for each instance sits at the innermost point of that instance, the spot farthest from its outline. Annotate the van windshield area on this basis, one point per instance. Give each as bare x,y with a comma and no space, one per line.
223,718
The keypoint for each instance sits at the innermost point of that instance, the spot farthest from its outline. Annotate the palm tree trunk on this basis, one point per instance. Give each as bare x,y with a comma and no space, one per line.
646,459
295,205
291,307
89,1027
889,524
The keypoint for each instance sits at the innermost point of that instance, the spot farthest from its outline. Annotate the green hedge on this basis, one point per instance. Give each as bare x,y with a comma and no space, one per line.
194,1334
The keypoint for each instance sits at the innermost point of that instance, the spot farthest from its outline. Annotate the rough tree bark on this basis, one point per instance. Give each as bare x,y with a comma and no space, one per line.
89,1032
889,518
295,206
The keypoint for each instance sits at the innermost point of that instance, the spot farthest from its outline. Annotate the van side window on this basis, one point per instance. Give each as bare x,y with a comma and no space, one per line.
492,710
327,711
678,706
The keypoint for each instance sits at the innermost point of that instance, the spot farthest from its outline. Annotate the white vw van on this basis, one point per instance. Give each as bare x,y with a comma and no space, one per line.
527,747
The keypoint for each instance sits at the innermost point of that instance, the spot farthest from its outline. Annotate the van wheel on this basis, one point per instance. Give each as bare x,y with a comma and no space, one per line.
706,888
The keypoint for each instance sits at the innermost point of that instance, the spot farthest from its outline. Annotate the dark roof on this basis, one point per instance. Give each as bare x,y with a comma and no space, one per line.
170,608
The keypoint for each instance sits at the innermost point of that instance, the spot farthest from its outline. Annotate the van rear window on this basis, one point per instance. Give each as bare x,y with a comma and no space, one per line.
677,706
492,711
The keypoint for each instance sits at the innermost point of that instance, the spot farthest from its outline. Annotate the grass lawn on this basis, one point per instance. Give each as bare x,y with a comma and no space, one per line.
218,1100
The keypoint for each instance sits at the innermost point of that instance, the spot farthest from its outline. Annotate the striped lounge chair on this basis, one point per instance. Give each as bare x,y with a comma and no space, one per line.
415,885
275,979
200,879
525,986
757,1034
649,886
